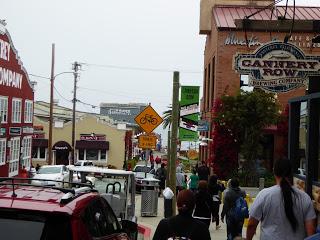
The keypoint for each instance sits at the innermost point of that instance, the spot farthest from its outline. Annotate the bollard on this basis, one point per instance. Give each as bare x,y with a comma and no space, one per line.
261,184
167,207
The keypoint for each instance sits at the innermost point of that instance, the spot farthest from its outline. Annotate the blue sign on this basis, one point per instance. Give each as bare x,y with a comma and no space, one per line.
277,67
203,126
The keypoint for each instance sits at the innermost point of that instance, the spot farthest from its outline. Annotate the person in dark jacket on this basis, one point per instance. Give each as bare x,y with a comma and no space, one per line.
183,225
234,228
203,209
215,190
203,172
161,174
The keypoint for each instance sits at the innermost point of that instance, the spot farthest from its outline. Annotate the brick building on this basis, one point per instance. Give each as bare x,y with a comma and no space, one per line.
16,109
227,34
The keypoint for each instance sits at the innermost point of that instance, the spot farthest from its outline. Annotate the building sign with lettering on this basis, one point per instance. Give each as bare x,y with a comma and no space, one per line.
92,137
277,67
252,40
15,131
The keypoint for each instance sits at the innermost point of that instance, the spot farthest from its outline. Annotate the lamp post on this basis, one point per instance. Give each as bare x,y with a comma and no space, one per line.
51,112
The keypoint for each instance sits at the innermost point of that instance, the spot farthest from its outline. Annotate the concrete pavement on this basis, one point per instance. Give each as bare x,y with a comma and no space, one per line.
152,222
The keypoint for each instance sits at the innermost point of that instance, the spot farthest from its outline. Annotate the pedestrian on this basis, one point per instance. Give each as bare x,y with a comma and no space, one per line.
193,182
232,194
215,190
161,174
285,212
179,180
203,172
183,225
203,208
152,161
37,167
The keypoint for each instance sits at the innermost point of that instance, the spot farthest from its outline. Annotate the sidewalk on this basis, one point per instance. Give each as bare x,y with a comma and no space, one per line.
152,222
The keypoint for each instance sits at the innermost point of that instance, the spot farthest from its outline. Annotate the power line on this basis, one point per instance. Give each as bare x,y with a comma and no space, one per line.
139,68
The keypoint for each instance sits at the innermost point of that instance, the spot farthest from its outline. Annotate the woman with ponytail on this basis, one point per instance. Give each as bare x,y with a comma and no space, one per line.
285,212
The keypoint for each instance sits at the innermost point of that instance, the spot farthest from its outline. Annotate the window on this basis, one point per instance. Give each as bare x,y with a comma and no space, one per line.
14,156
3,142
81,154
92,154
28,111
16,110
26,152
4,109
39,153
103,155
99,219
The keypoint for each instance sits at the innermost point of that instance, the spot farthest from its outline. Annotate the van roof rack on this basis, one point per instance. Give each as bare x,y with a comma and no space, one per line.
13,181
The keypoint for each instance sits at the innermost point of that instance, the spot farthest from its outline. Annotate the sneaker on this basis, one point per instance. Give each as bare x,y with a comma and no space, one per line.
218,227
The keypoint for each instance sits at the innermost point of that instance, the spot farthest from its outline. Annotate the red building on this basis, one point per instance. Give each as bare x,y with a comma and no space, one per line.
225,38
16,109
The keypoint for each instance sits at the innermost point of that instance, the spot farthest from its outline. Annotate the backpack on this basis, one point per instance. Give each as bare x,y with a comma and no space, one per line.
240,210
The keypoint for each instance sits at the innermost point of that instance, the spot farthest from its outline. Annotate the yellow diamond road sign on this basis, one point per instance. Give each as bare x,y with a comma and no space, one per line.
148,119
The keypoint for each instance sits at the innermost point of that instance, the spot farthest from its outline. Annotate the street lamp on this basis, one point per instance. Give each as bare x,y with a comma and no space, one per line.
53,77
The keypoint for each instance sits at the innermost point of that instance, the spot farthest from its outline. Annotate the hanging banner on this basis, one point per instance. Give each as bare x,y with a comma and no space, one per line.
189,113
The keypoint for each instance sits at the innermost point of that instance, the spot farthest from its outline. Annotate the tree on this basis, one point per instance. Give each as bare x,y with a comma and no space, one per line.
167,118
241,119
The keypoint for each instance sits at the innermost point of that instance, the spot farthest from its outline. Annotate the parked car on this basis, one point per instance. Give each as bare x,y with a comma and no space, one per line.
52,213
51,172
81,163
142,171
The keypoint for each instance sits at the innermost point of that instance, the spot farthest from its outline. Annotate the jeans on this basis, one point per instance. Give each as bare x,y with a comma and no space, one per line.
234,228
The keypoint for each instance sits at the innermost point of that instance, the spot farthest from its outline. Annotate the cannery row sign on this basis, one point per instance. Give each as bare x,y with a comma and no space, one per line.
277,67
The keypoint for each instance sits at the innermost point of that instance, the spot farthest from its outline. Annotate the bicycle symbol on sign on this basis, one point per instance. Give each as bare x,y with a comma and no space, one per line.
149,118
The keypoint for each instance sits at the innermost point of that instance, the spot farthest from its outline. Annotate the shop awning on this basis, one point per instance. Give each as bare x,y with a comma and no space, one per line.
81,144
39,142
61,145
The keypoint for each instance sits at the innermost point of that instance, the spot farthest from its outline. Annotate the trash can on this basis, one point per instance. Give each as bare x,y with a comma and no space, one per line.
149,197
167,199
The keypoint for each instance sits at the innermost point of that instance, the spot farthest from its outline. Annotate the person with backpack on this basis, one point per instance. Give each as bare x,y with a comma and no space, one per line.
182,226
285,212
161,174
235,209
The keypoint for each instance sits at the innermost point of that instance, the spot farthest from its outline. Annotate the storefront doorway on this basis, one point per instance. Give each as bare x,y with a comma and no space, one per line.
62,151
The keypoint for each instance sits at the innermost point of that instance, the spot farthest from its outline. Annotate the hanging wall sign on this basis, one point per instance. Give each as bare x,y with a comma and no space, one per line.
277,67
189,113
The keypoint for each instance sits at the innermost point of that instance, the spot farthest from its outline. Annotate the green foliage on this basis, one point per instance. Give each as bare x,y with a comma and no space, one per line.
167,118
245,115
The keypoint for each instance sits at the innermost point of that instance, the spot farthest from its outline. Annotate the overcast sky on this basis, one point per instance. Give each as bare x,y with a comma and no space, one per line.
146,34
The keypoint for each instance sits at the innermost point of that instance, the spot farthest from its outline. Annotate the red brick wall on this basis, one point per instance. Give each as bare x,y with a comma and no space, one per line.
226,79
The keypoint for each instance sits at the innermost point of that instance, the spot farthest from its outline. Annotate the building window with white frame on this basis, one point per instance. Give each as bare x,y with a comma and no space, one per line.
3,109
14,156
26,152
92,154
39,153
3,143
28,111
16,110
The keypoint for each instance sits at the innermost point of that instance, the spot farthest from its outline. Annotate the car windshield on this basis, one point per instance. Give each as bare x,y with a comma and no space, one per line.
144,169
16,226
49,170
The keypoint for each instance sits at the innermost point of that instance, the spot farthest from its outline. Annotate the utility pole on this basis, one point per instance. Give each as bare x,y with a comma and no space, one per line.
75,67
174,137
51,106
168,153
